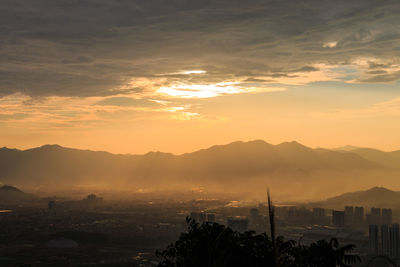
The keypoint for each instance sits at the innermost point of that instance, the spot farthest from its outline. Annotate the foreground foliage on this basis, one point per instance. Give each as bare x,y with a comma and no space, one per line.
214,245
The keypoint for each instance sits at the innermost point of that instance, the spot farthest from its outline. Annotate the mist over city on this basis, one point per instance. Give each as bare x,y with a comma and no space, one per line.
186,133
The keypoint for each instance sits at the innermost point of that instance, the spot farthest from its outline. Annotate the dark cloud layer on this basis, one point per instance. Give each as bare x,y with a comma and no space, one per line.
92,47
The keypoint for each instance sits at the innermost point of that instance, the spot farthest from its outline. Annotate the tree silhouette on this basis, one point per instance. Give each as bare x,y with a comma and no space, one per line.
214,245
324,253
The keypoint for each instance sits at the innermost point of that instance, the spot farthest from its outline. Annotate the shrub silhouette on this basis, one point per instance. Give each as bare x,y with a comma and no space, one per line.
214,245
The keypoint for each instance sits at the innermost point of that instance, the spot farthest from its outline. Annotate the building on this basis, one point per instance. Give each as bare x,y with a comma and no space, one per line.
374,217
291,213
318,213
394,241
93,198
338,218
358,215
348,215
51,205
239,224
385,240
376,212
373,239
386,217
299,215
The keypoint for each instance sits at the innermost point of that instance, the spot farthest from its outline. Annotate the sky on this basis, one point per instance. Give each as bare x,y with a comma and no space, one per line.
132,76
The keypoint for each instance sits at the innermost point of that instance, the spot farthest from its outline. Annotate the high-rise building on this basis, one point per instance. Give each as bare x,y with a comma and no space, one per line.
358,215
338,218
375,216
386,217
376,211
394,236
52,205
385,240
348,214
291,213
318,213
373,239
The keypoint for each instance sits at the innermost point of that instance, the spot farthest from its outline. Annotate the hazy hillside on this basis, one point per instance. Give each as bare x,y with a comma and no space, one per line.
245,165
390,159
374,197
10,194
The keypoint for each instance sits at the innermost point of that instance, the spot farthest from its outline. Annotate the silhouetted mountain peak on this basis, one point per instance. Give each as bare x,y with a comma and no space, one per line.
377,189
9,194
9,188
257,142
375,196
234,148
51,146
157,154
293,145
6,149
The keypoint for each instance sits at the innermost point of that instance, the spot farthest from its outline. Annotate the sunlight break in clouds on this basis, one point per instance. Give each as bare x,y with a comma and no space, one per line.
185,72
193,72
329,45
211,90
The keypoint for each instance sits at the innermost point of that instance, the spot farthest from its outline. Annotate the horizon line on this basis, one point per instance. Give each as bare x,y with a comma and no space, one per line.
341,148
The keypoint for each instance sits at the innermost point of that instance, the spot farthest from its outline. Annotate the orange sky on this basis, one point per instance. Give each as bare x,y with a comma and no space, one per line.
155,77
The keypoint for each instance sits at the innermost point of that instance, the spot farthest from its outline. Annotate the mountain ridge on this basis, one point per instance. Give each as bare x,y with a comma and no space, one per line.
347,148
234,166
376,196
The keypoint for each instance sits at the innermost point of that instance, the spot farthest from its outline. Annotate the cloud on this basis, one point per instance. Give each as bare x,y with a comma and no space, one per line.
373,70
94,48
381,77
13,116
126,102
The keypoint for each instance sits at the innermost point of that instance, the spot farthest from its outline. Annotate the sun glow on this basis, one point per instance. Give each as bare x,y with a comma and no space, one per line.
184,72
329,44
211,90
188,72
200,90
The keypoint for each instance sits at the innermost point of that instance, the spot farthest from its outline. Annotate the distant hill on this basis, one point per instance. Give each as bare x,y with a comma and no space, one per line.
374,197
12,194
390,159
236,166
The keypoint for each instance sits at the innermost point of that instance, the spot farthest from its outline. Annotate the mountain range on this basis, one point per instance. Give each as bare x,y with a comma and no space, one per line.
373,197
240,165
